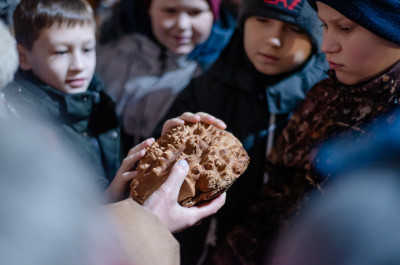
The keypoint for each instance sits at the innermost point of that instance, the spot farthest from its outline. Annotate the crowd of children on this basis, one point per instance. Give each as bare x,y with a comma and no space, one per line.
291,75
55,87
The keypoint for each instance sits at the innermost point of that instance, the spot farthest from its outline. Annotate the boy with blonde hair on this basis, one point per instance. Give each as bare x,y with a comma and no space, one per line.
56,46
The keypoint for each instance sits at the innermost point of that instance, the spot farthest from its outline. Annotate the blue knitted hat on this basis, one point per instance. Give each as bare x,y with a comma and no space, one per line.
296,12
381,17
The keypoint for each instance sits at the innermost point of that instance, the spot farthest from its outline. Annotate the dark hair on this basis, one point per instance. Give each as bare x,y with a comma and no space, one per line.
31,16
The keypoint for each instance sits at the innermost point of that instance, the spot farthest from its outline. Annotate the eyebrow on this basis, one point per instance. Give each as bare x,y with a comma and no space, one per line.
337,20
68,42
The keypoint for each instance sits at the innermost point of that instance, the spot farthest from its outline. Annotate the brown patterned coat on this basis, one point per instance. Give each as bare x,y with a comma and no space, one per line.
330,109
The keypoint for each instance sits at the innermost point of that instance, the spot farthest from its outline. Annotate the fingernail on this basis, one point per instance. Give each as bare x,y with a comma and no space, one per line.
183,163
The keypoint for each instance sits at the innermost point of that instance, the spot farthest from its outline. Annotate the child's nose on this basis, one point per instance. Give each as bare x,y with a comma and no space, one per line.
329,44
275,42
183,20
274,36
77,62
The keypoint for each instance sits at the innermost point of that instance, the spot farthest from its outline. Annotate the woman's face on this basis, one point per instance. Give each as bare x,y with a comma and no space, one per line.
180,25
353,52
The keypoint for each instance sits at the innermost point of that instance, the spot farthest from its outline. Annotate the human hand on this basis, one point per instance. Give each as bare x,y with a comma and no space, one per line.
163,202
192,117
118,187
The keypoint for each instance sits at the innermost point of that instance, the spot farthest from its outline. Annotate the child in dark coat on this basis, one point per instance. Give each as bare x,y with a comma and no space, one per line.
271,62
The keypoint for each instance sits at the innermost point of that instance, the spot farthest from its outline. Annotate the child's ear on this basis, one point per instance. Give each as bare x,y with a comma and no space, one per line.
24,63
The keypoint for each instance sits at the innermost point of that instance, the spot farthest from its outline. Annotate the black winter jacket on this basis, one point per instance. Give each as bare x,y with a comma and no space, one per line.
86,121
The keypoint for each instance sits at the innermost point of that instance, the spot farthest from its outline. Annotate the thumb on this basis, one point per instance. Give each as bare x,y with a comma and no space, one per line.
176,177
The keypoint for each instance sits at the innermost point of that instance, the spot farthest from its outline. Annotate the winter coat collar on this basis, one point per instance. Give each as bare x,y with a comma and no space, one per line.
383,85
73,109
284,96
208,52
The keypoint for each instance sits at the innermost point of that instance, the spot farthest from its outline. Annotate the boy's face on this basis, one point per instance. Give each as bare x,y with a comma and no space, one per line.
180,25
275,47
355,53
63,57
